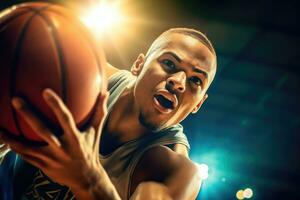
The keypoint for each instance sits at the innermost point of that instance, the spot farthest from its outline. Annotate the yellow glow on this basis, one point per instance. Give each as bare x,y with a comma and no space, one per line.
7,11
103,17
239,194
248,193
202,171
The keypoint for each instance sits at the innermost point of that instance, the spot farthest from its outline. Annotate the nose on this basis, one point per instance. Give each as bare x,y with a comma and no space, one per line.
176,82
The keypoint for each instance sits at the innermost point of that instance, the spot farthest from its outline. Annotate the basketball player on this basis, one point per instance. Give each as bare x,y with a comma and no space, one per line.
143,152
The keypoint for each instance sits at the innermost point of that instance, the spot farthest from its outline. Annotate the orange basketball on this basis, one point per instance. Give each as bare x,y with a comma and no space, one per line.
42,46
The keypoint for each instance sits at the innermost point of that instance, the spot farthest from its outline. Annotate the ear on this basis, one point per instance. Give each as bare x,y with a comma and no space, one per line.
198,106
138,65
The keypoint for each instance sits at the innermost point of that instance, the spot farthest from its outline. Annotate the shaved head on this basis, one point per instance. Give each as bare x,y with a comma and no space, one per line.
163,38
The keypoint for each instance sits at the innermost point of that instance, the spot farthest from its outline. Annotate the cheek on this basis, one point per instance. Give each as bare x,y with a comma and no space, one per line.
190,101
153,76
180,114
186,108
196,92
192,93
156,71
146,84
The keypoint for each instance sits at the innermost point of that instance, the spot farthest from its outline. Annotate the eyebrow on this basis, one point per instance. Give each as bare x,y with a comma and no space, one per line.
195,69
200,71
174,55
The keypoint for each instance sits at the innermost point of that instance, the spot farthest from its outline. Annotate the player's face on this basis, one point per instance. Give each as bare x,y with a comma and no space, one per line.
173,81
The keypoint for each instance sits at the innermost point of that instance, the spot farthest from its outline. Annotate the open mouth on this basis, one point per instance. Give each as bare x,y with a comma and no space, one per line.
164,102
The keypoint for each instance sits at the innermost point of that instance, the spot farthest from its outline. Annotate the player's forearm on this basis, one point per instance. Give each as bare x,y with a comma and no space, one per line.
98,193
97,187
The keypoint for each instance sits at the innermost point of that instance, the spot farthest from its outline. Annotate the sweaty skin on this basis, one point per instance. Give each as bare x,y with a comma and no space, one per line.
177,74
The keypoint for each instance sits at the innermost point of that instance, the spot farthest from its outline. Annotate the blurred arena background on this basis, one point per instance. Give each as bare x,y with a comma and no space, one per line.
247,133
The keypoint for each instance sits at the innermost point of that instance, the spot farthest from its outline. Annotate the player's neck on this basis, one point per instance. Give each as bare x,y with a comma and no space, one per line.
124,118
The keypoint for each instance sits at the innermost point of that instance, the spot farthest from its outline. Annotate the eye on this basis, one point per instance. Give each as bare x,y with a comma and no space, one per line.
196,80
169,63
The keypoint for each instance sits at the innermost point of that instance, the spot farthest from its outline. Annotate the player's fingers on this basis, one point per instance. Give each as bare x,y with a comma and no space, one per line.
1,141
34,161
61,111
100,109
3,147
99,117
34,122
41,153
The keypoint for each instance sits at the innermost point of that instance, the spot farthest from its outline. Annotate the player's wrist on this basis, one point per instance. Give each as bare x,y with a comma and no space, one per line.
96,185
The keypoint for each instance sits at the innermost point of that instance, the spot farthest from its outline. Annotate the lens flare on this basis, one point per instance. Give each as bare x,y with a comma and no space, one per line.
202,171
103,17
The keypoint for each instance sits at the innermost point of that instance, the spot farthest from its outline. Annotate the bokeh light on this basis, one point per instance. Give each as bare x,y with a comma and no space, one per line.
248,193
240,194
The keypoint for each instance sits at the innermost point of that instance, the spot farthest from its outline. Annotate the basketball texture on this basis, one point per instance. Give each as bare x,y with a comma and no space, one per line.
42,46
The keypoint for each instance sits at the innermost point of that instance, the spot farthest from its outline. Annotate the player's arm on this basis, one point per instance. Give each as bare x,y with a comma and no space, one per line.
165,174
71,159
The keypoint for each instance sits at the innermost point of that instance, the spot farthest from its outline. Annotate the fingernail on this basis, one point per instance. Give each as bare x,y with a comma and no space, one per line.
17,103
46,93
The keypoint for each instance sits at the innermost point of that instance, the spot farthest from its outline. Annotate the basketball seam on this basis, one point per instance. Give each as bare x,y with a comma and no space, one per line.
62,64
85,36
25,11
12,18
54,34
14,63
37,10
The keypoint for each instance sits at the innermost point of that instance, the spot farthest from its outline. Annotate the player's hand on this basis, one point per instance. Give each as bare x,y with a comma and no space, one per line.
71,159
4,148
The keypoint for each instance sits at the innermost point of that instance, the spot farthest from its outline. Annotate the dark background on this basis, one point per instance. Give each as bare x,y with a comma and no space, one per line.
248,130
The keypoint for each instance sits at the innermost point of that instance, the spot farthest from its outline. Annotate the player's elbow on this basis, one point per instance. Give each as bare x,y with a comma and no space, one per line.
189,183
196,181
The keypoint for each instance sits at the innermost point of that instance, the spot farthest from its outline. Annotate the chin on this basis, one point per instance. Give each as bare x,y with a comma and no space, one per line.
148,124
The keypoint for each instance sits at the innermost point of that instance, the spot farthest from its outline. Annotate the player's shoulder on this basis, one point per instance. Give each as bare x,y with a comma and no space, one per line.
110,70
163,158
160,164
156,153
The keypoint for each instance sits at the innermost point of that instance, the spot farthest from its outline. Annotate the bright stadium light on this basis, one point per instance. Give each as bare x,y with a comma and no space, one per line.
202,171
248,193
240,194
102,17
